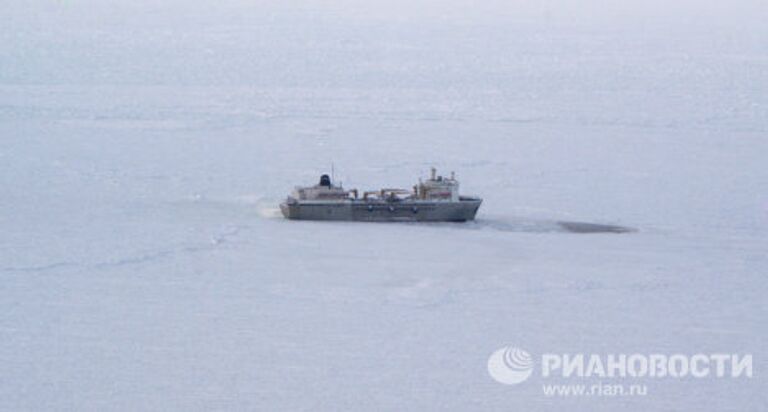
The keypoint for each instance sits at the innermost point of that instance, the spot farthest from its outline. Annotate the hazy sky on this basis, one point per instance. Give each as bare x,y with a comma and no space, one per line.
358,42
598,12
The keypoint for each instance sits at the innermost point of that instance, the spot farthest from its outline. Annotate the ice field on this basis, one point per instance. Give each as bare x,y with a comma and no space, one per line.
145,149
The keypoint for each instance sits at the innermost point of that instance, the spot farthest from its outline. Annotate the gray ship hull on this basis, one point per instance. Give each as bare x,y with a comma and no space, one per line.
383,211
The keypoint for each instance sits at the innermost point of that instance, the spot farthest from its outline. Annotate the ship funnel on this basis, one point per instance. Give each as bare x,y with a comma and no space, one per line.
434,172
453,175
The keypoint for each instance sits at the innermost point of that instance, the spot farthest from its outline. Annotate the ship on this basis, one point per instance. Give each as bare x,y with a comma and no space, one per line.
434,200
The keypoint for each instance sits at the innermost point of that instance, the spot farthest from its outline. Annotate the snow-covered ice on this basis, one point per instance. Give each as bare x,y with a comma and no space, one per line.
145,147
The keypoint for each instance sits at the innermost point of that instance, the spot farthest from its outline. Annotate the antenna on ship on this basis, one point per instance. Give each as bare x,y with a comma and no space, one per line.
333,177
